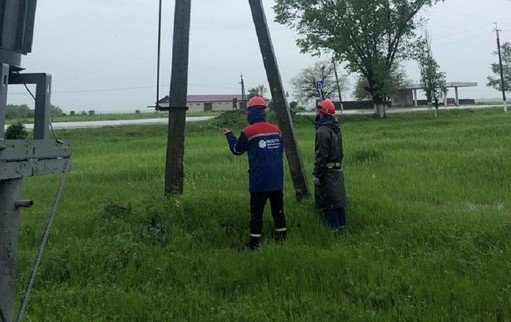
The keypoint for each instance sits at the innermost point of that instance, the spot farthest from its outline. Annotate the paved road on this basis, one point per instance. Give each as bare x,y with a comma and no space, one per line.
98,124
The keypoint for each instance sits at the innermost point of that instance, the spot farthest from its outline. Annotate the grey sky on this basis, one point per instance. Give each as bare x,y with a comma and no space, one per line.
101,53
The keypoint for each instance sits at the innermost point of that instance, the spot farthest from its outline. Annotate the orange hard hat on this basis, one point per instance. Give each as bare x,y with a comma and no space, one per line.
257,101
327,106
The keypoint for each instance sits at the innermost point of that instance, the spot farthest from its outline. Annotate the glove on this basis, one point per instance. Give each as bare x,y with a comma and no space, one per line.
316,181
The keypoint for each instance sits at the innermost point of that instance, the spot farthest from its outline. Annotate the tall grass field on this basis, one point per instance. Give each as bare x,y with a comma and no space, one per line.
428,235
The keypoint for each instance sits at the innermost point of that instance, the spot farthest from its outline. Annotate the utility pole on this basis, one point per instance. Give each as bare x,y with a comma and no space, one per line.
174,171
281,105
497,30
243,95
338,84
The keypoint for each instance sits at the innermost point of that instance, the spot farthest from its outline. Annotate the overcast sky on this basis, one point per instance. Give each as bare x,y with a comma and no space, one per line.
102,53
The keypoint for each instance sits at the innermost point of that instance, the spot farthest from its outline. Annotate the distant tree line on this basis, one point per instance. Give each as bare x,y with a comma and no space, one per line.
14,112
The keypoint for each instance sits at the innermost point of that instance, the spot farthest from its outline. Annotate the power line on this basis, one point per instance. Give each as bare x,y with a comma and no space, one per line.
461,39
125,89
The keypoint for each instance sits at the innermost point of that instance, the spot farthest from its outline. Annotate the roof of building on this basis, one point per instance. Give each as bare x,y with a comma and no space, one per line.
448,85
205,99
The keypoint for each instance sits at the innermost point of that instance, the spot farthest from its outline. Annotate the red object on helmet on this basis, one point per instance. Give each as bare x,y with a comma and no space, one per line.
257,101
327,106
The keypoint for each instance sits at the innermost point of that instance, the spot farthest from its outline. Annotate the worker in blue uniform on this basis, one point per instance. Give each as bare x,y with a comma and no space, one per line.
263,143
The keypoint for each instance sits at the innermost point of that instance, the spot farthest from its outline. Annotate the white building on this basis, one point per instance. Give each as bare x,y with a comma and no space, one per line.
204,103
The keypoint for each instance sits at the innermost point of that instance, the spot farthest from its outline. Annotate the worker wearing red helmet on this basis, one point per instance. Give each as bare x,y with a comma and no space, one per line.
263,143
330,193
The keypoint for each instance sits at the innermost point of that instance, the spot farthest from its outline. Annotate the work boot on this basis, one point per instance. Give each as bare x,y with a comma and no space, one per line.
254,242
281,234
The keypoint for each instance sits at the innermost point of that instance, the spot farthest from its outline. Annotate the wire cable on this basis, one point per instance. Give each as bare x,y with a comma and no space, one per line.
42,244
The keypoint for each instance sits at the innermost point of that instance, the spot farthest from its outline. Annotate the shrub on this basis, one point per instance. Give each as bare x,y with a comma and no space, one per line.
16,131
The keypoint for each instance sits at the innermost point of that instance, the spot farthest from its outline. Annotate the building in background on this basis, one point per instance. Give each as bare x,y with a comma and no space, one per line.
206,103
407,97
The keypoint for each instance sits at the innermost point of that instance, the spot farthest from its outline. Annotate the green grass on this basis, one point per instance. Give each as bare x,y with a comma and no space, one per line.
428,238
496,102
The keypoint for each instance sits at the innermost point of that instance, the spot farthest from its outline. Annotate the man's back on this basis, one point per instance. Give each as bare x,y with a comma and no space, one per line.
265,150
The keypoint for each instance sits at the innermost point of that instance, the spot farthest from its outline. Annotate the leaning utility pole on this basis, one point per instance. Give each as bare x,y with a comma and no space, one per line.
174,171
497,30
338,83
279,99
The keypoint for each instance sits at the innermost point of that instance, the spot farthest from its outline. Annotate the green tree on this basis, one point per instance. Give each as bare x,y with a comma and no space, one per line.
397,80
257,91
56,111
304,83
495,81
18,112
369,35
432,79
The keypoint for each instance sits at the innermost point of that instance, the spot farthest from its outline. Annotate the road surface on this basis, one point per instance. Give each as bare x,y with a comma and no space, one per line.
99,124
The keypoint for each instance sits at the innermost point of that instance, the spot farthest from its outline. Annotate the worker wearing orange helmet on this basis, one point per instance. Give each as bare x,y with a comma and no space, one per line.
330,192
263,143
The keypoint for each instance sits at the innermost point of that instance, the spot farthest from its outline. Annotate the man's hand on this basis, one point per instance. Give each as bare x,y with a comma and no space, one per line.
316,181
226,131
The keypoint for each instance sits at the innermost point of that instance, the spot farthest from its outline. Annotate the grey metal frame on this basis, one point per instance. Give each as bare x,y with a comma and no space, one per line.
42,101
20,159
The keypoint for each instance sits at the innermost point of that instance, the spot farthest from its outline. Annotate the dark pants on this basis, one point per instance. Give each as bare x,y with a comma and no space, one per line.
257,203
335,217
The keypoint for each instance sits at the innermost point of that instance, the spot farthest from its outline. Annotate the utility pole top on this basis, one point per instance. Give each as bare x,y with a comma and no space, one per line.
504,98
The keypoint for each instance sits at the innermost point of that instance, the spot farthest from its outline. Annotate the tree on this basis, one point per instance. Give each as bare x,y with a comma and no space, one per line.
495,82
257,91
397,80
56,111
304,83
18,112
432,79
370,35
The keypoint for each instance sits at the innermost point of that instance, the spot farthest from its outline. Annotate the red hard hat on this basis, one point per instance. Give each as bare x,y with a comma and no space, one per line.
327,106
257,101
